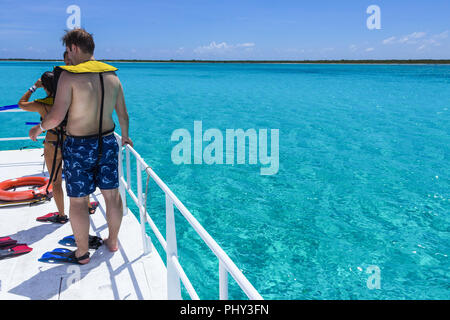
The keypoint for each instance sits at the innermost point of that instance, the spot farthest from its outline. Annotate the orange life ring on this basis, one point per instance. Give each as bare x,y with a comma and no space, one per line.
6,185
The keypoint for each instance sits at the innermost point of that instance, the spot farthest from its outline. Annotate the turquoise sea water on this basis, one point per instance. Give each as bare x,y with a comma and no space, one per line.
363,180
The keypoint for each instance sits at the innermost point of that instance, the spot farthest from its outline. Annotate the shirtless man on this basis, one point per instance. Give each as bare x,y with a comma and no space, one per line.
92,205
79,96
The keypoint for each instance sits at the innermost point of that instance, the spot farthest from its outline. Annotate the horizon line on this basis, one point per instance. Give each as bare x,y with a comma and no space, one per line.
384,61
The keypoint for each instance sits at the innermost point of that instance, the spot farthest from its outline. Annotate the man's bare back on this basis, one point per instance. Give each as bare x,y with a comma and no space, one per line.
84,111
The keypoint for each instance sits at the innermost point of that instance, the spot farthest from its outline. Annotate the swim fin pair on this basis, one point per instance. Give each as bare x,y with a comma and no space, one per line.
67,256
10,248
94,242
53,217
63,255
56,218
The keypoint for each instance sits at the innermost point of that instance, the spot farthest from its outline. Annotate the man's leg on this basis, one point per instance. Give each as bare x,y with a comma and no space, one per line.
79,220
114,216
58,195
79,184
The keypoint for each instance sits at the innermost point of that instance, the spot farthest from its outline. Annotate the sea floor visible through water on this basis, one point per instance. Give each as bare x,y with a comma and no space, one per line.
359,207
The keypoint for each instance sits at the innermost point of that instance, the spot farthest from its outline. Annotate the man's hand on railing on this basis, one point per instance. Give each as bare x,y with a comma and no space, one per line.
126,140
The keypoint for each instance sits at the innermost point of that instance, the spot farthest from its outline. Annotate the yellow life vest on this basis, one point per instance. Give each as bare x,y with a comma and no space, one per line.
91,66
48,101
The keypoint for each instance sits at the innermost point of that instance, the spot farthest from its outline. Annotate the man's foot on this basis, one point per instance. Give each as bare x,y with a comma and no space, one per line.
113,246
82,259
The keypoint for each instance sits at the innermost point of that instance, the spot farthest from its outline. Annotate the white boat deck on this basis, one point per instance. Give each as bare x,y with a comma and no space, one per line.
125,274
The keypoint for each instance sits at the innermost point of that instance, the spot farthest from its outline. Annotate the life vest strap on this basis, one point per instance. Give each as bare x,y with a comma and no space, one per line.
93,135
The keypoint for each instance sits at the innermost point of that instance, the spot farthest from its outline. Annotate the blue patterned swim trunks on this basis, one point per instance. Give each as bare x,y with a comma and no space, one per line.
82,174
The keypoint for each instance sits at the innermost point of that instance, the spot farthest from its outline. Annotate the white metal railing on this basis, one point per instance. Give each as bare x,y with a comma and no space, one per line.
175,271
19,138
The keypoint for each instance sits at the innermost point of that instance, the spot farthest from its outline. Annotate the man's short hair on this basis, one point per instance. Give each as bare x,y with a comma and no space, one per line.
65,54
81,38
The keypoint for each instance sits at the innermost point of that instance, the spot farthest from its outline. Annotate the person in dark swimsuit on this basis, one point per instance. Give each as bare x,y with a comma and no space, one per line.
43,106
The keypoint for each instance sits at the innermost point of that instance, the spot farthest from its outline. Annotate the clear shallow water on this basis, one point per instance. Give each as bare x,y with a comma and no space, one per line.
363,177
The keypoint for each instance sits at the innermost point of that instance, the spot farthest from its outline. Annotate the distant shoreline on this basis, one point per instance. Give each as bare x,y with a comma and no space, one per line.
391,61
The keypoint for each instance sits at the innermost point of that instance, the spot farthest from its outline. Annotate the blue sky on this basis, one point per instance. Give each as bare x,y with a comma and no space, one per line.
231,29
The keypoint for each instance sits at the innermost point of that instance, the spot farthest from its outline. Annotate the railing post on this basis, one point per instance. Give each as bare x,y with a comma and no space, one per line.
223,281
127,159
173,279
122,191
143,216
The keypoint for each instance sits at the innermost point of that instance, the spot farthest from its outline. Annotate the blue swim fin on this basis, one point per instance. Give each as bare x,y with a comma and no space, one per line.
61,255
94,242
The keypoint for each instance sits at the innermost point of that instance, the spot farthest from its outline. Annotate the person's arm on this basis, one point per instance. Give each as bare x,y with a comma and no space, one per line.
58,112
122,114
26,105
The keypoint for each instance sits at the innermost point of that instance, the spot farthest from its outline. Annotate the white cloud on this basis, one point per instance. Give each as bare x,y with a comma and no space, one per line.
180,50
370,49
214,47
389,40
419,38
408,39
429,42
434,41
443,35
412,38
246,45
